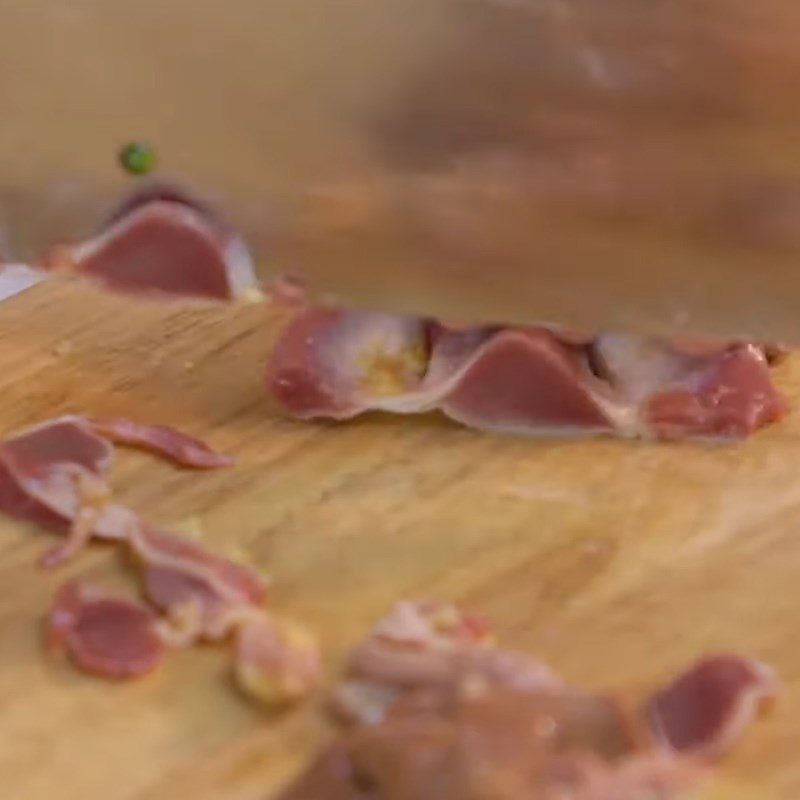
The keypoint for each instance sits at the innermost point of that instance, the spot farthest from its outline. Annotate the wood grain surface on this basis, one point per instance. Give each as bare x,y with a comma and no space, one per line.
618,562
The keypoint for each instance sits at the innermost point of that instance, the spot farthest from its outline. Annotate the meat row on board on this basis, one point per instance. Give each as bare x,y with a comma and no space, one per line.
530,380
429,707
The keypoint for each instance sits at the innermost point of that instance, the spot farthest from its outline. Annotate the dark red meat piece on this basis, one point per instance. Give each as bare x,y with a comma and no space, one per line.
711,704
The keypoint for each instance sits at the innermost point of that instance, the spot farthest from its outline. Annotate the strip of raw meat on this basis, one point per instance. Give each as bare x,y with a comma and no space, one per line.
709,706
474,735
337,364
65,440
104,634
174,445
161,246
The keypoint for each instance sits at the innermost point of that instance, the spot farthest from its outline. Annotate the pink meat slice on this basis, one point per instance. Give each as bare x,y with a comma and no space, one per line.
105,634
65,440
707,708
54,474
337,364
43,469
523,381
206,596
733,396
174,445
161,247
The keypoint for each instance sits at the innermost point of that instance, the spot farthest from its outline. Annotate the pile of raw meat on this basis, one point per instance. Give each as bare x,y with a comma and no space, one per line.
430,709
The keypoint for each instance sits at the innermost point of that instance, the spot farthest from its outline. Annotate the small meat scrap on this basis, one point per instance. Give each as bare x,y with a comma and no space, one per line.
161,244
55,475
105,634
178,447
426,718
523,379
276,661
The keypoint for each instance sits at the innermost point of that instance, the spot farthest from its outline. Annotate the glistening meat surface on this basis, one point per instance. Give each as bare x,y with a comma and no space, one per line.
526,380
429,714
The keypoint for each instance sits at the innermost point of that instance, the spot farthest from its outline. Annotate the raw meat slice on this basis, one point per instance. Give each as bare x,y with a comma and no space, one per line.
53,474
160,245
104,634
730,398
525,379
46,471
337,364
704,710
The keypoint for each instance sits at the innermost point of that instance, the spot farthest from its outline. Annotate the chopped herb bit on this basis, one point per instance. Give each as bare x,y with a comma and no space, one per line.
137,158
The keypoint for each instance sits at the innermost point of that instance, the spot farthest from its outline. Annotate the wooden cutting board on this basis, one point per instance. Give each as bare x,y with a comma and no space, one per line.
618,562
